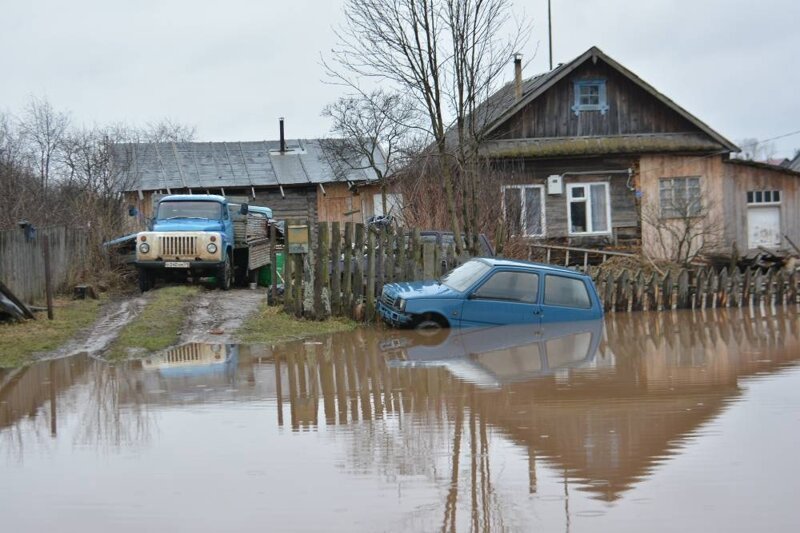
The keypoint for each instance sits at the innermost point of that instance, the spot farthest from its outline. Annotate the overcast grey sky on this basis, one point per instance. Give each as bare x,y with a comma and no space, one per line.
232,68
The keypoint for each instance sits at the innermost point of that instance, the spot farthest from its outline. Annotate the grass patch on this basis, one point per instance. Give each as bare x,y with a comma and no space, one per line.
20,341
158,325
271,325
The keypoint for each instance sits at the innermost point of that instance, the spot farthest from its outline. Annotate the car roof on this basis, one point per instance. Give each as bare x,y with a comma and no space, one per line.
501,262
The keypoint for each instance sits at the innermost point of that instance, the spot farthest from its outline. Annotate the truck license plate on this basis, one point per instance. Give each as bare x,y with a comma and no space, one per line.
177,264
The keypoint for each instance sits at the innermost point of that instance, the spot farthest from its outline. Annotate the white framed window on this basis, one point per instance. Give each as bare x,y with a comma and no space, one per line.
523,208
679,197
764,197
588,208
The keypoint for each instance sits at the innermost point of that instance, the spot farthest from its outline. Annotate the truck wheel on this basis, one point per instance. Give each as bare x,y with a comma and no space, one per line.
146,280
225,276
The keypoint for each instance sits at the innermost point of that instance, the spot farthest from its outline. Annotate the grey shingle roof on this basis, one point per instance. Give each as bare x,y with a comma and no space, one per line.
157,166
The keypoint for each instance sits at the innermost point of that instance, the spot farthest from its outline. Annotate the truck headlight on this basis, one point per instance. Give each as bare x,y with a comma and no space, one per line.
401,304
212,248
144,248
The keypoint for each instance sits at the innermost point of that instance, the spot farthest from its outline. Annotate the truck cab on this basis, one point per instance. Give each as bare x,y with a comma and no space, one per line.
189,234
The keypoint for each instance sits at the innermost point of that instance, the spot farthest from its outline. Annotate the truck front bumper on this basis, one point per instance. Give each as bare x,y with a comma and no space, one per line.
194,266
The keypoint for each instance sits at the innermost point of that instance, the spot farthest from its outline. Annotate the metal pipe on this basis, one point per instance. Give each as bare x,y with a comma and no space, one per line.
283,139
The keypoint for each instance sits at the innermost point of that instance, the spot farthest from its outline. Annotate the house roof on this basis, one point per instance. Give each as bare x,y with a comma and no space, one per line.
214,165
794,164
503,104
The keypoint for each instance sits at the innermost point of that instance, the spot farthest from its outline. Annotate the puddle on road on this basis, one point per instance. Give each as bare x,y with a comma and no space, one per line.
649,421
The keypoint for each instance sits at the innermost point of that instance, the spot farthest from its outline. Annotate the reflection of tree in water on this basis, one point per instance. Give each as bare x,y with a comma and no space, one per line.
115,413
31,399
606,430
36,401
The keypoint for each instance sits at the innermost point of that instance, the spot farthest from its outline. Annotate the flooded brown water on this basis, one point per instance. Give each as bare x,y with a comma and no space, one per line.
649,422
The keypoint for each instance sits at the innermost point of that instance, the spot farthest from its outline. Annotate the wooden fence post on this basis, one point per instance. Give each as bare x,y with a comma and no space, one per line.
288,276
48,280
666,291
347,285
402,255
336,281
358,257
391,251
415,256
322,294
370,300
683,289
428,260
273,264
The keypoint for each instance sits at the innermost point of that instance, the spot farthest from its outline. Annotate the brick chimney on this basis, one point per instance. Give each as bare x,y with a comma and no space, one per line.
518,76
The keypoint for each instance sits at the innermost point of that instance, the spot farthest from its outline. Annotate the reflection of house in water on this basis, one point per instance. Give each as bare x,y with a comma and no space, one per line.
605,418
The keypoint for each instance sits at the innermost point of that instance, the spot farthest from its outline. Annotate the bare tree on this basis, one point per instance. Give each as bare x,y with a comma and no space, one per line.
447,56
683,225
43,130
755,150
371,132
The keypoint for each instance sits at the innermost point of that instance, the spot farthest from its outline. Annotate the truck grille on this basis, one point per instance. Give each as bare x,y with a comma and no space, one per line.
184,354
178,245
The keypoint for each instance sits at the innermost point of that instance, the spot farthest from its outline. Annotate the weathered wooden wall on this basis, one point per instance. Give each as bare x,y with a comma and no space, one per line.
740,178
624,211
724,185
632,110
341,204
22,261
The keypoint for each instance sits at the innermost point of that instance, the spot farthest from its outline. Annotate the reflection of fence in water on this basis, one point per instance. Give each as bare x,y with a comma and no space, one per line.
670,373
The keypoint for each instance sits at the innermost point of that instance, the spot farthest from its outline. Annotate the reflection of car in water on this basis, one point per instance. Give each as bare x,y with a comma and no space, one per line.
193,359
502,354
485,292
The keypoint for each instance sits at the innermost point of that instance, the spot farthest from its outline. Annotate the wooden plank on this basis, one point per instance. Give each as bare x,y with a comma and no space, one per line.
288,277
371,266
273,266
336,263
358,270
428,260
347,281
402,255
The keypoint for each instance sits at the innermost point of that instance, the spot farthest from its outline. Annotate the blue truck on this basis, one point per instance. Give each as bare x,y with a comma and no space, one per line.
203,236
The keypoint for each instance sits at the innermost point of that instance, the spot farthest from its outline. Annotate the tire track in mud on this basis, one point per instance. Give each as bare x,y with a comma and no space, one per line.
94,340
215,316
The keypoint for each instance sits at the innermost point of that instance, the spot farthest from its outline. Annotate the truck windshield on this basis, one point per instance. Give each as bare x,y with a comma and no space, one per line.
189,209
463,277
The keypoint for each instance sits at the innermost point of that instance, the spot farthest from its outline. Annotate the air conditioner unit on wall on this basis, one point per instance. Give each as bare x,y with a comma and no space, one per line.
555,185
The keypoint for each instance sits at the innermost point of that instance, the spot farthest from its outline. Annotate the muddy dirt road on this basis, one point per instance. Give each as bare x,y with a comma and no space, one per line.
214,316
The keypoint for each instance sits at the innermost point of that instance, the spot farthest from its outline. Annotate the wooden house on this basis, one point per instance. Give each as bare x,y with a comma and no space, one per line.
586,150
296,178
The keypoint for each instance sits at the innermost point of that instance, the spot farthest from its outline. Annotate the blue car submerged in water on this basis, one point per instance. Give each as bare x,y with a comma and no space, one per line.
489,292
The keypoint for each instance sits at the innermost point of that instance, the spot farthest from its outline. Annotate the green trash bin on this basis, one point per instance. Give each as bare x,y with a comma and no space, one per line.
265,273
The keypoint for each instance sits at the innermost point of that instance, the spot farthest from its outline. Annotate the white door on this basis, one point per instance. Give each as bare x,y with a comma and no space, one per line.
764,226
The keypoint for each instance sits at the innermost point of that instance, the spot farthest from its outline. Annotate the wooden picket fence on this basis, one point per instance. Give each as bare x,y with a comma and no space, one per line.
695,289
347,266
22,260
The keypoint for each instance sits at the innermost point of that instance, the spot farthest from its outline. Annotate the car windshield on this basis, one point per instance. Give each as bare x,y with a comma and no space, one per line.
189,209
463,277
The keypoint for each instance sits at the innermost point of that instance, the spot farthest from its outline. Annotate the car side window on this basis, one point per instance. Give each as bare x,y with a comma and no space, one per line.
566,292
511,286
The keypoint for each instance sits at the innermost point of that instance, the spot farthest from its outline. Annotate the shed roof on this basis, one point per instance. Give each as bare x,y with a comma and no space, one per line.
207,165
